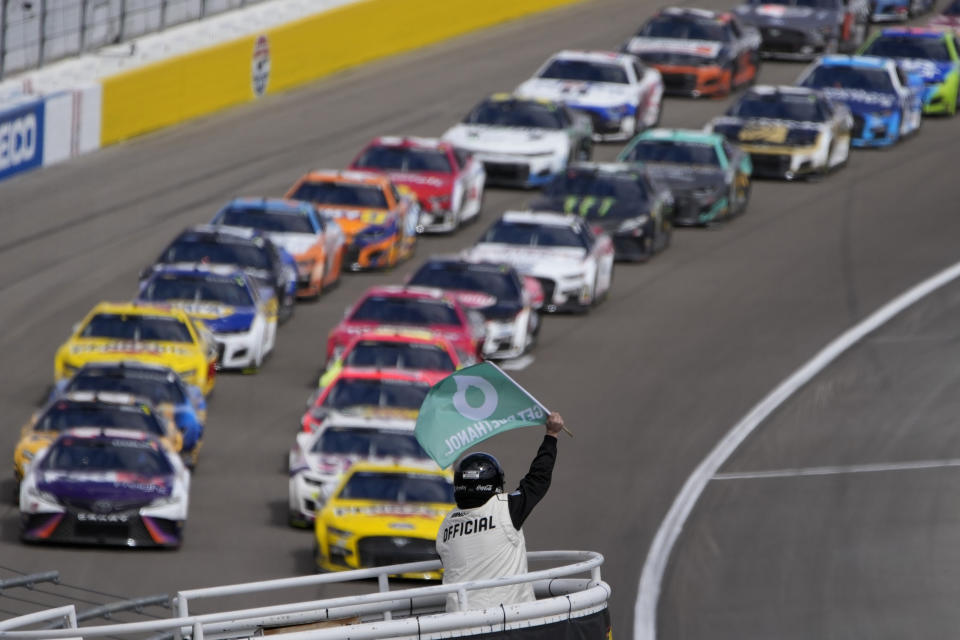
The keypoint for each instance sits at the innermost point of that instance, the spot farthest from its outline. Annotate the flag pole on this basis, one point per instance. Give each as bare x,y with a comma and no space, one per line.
529,395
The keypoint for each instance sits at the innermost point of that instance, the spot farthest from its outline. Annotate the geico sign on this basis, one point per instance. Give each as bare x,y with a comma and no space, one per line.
18,141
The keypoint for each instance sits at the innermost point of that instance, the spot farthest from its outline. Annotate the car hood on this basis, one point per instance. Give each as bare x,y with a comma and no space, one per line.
425,184
860,101
93,348
386,518
352,221
929,71
777,15
534,261
490,306
84,490
506,140
601,94
293,243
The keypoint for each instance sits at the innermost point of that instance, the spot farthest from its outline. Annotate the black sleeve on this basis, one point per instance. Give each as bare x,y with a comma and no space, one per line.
534,485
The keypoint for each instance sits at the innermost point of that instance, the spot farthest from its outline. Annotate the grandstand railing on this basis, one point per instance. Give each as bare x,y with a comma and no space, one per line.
35,32
407,612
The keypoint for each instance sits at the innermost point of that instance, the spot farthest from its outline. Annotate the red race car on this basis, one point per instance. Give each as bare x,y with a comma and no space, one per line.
367,391
448,183
416,307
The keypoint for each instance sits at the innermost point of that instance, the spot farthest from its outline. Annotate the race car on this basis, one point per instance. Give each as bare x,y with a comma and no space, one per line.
217,246
378,218
698,53
90,409
948,19
522,142
899,10
932,54
171,396
228,302
448,182
497,291
410,307
618,198
620,95
573,264
368,391
789,132
709,178
299,229
804,29
430,355
318,460
105,486
381,515
165,336
886,102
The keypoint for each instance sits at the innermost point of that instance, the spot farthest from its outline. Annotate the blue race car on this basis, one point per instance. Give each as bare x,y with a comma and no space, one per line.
886,102
246,249
241,315
930,53
161,385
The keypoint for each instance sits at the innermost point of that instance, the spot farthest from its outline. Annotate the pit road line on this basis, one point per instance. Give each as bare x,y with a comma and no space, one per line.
654,567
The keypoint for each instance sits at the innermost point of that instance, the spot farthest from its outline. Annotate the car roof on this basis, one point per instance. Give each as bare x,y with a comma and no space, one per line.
112,399
141,309
222,233
606,167
372,419
691,12
199,270
410,142
595,55
681,135
108,433
411,292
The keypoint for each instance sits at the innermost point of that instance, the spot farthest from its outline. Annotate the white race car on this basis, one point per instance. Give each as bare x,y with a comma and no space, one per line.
523,142
318,459
620,94
573,264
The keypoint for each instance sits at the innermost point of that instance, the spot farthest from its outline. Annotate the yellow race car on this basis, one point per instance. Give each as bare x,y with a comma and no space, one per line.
115,332
91,409
383,514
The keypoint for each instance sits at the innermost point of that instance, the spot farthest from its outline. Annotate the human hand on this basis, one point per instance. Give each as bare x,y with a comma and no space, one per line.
554,424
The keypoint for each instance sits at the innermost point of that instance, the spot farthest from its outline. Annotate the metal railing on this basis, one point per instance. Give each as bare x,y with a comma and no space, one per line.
385,613
36,32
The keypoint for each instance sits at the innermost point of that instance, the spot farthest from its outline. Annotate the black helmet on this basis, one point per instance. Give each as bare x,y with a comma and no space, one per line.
478,477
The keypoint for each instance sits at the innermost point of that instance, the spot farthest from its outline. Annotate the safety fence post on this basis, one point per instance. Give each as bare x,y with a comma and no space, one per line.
3,36
43,33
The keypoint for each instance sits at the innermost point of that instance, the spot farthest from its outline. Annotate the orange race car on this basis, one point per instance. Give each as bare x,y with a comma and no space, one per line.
378,218
698,52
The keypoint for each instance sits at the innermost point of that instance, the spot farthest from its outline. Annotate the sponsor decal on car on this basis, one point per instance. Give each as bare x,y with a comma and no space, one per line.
260,66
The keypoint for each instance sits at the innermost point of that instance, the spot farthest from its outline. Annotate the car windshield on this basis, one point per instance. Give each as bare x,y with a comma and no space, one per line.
499,283
535,235
405,311
390,158
158,389
891,46
83,454
585,71
609,187
119,326
228,291
397,487
369,443
265,220
673,151
346,194
800,108
249,256
842,77
362,392
684,28
67,415
399,355
515,113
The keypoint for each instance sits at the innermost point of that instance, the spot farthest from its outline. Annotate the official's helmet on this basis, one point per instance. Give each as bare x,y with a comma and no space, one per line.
476,479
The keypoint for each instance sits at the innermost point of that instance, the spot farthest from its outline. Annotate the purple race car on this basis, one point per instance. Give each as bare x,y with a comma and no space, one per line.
105,486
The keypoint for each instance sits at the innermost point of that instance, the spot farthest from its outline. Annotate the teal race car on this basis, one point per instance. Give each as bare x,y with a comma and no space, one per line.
708,176
932,54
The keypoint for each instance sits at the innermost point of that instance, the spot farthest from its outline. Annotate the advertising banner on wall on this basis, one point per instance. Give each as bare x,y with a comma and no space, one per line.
21,138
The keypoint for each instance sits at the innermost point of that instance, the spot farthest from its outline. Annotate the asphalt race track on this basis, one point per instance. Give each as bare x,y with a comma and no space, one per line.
648,382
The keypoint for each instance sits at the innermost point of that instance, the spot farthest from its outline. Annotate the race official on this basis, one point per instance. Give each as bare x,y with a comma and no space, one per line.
482,538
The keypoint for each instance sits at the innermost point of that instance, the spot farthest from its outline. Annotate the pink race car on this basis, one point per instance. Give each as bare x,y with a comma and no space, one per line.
448,183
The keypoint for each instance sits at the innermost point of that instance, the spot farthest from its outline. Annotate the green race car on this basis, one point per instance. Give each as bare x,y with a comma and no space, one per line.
708,176
929,53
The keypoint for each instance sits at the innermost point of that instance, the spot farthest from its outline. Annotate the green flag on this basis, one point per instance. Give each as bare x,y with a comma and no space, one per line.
471,405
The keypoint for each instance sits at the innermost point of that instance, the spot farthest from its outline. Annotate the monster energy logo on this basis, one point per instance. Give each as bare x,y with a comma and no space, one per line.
582,205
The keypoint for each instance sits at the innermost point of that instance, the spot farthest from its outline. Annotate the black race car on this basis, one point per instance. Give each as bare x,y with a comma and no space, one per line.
619,198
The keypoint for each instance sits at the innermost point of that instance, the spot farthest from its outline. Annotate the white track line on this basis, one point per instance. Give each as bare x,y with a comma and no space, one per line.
878,467
651,577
